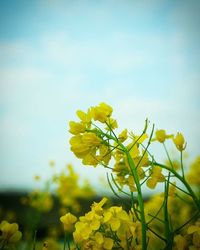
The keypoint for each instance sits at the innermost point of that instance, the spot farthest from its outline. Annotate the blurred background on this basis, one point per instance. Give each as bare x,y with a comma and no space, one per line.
56,56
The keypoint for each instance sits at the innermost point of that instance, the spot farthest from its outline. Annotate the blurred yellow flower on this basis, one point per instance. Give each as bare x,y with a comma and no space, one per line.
156,176
10,232
68,221
193,175
179,141
161,136
123,135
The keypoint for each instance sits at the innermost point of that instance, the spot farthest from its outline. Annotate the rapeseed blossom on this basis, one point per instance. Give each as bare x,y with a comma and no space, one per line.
161,136
102,112
179,141
168,220
10,233
95,230
68,221
132,165
155,177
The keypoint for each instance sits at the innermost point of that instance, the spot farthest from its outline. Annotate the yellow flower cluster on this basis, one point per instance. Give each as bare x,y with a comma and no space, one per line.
87,144
97,228
155,177
169,220
42,201
9,233
69,190
194,173
178,140
190,239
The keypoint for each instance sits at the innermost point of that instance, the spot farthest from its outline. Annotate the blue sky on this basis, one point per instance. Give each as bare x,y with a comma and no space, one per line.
141,57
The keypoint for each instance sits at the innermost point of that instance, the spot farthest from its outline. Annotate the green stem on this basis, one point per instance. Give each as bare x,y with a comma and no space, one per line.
4,243
158,235
140,198
34,239
182,165
156,215
178,176
65,239
137,182
133,206
179,188
168,231
169,159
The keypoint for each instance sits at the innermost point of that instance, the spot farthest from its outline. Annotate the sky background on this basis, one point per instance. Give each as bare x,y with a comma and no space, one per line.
141,57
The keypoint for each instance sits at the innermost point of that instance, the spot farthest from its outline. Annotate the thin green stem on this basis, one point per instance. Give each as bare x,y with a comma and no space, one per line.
4,243
133,206
191,219
158,235
182,169
34,239
114,192
140,198
65,239
146,148
180,188
178,176
118,187
169,159
168,231
155,216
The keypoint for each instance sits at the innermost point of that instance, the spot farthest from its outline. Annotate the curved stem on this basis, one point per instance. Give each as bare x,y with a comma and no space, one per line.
182,179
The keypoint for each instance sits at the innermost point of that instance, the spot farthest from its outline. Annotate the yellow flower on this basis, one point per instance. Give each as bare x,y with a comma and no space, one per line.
104,154
112,124
180,241
138,138
37,177
99,238
179,142
85,117
108,243
52,163
114,217
194,172
68,221
101,112
156,177
97,207
195,231
90,149
161,136
90,139
192,229
78,147
40,200
76,128
123,135
10,232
